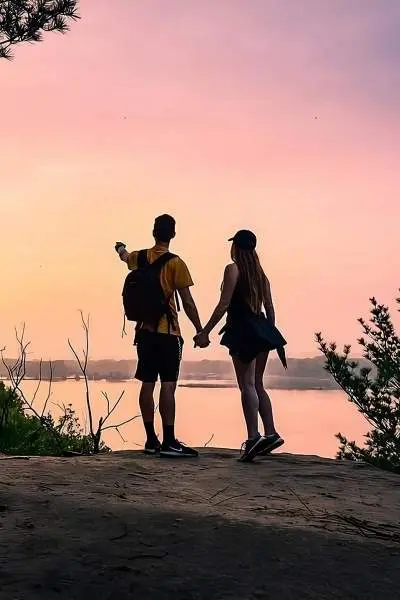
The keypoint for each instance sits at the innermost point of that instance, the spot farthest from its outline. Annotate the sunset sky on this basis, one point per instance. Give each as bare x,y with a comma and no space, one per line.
280,116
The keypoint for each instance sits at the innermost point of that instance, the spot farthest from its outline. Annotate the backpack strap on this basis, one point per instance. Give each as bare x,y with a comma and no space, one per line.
142,261
159,263
162,260
177,302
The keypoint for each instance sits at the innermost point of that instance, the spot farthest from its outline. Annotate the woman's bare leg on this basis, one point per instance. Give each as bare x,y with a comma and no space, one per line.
265,406
245,375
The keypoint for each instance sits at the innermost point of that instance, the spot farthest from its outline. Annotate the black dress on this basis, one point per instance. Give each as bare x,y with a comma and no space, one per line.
246,333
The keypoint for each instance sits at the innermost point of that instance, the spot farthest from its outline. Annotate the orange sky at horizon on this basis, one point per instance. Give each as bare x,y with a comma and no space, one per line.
273,116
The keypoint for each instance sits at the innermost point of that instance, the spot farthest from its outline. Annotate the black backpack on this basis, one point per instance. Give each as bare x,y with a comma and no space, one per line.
142,295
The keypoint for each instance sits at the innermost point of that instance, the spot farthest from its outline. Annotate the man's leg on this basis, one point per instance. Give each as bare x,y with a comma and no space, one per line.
170,355
146,372
167,410
146,403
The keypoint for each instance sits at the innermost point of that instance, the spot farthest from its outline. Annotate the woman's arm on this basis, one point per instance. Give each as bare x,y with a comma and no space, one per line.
268,303
231,275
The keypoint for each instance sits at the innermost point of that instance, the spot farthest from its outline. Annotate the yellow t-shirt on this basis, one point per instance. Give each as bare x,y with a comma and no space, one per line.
174,276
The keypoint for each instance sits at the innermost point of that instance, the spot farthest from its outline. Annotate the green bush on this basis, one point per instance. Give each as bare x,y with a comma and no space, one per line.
375,390
25,434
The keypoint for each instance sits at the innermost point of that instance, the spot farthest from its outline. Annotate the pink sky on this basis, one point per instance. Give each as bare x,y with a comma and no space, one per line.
274,115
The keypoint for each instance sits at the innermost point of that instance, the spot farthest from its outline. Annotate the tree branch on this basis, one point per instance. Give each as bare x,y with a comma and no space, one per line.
27,20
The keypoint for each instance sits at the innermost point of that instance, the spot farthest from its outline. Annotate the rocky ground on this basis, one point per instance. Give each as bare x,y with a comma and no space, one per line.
124,525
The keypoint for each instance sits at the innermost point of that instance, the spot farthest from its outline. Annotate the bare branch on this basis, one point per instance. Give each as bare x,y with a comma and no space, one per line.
16,374
49,388
120,435
209,441
38,384
123,423
230,498
83,367
105,395
110,412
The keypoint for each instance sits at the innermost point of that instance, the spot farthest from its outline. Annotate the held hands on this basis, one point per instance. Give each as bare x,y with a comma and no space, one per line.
201,340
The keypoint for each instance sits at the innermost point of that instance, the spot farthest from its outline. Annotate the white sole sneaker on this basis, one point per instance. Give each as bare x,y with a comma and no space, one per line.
257,447
273,445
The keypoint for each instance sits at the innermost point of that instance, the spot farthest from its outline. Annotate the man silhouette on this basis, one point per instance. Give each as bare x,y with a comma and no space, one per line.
159,345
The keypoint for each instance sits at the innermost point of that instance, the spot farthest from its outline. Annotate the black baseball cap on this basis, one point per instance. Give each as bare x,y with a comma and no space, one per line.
244,239
164,227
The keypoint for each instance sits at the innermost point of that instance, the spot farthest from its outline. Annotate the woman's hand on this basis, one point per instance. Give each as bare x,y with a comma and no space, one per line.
201,340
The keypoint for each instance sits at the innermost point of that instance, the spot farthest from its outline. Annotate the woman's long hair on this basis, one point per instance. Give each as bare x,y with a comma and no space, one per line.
252,280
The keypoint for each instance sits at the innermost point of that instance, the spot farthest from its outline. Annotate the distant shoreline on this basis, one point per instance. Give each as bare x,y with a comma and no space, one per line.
272,383
282,384
302,374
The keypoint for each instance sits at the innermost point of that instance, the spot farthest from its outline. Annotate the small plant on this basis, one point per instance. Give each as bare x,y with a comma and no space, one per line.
23,433
375,390
26,429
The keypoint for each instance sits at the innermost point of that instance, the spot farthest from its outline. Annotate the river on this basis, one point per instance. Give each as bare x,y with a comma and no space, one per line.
307,419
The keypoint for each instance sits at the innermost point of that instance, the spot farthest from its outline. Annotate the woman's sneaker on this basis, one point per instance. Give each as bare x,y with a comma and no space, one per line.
251,448
177,450
152,447
273,442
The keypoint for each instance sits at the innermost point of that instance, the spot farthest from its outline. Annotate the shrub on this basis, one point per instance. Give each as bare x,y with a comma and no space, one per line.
375,390
22,433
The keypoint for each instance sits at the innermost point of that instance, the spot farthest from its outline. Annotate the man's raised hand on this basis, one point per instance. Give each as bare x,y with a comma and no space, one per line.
120,247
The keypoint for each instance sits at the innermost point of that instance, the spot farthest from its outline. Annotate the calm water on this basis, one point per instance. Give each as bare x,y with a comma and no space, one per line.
308,420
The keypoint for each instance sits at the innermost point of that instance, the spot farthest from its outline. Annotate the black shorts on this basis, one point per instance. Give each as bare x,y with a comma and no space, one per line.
159,356
247,337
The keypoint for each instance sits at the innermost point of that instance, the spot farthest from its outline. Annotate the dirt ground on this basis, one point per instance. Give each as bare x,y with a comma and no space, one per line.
126,526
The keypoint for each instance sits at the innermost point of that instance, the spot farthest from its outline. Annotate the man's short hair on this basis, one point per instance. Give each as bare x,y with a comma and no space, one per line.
164,228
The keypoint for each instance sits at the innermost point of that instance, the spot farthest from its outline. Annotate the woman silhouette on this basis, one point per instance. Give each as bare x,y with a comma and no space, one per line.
249,334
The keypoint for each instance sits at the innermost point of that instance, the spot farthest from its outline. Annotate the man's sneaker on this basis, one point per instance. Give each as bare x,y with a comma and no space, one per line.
274,441
251,448
152,447
177,450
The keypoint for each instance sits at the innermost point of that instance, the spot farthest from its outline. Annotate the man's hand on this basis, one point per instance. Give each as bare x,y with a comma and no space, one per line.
120,247
201,340
123,254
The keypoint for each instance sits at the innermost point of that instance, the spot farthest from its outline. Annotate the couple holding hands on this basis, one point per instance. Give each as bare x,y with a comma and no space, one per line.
156,285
